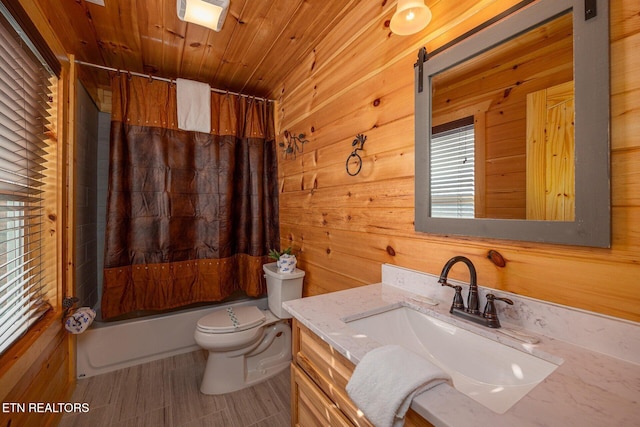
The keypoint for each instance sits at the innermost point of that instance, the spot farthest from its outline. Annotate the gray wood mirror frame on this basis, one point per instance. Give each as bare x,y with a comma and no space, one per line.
591,224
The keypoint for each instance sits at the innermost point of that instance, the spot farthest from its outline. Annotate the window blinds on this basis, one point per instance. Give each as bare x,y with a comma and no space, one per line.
25,100
452,172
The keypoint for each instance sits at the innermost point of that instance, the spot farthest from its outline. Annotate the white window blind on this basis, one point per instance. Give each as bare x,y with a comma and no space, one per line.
452,170
25,102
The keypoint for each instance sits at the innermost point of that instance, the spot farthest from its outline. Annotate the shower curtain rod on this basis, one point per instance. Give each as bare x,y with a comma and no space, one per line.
162,79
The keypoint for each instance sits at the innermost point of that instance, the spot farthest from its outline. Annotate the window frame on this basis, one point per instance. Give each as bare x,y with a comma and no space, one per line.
26,133
37,351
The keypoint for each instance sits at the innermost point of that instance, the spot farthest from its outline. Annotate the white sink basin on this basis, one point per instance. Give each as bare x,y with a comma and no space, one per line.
493,374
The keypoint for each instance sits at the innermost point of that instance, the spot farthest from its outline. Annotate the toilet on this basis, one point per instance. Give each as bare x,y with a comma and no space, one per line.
248,345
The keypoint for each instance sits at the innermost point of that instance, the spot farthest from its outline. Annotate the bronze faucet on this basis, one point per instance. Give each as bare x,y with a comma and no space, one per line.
472,297
472,312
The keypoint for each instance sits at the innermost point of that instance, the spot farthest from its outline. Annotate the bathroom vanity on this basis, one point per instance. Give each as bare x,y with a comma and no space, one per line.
319,375
596,381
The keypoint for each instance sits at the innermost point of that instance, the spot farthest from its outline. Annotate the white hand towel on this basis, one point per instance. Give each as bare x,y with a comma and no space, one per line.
80,320
387,379
194,105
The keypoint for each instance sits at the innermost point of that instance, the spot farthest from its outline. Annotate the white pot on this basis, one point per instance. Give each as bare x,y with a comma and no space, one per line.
286,263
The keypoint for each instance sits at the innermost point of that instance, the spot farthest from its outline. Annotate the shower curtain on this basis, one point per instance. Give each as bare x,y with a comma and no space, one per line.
190,216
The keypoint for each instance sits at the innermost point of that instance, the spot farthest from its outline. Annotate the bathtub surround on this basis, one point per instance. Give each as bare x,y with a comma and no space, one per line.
86,255
92,169
190,215
596,382
102,172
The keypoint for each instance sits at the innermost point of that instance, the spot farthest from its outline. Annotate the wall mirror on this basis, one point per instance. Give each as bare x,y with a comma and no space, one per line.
512,129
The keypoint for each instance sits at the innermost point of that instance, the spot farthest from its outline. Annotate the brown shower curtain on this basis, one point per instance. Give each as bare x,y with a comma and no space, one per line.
190,216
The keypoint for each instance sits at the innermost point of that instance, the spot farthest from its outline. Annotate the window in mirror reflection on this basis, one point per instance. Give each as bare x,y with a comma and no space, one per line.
452,169
520,94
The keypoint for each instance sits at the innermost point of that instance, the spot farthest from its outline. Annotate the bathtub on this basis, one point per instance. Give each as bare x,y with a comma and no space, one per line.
109,346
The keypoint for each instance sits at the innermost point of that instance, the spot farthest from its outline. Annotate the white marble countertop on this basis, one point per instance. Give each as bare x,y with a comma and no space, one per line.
589,388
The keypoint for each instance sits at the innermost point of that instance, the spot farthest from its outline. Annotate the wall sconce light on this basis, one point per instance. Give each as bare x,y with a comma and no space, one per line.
208,13
411,16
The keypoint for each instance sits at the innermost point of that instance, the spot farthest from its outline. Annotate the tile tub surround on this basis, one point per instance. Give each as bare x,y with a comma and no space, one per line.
596,384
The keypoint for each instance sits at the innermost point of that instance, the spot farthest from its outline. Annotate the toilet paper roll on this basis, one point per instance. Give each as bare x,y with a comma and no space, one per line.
79,321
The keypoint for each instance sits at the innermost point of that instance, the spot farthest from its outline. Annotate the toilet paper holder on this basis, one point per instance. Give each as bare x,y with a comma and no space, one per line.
68,305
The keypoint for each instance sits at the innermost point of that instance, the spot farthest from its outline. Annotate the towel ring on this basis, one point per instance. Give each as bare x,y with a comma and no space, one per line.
358,162
360,140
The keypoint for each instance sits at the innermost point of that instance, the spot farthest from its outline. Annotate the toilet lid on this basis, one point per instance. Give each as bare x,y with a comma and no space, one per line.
231,319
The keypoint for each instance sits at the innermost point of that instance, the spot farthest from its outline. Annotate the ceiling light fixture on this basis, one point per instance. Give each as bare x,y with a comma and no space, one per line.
411,16
208,13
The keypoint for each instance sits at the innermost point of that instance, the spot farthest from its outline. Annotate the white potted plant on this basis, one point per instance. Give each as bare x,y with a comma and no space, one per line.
285,260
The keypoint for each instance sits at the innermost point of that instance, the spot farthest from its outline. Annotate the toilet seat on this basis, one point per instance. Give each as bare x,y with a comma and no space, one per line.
231,319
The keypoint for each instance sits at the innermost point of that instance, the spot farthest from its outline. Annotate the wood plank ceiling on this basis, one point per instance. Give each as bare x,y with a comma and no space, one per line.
260,42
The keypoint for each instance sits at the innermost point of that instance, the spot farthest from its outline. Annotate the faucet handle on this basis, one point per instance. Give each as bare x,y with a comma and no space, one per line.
492,297
490,310
458,301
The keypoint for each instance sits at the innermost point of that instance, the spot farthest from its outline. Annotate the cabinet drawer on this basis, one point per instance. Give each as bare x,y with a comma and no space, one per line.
311,407
331,371
328,369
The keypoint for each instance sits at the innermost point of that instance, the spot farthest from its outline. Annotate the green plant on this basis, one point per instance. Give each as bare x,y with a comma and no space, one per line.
274,254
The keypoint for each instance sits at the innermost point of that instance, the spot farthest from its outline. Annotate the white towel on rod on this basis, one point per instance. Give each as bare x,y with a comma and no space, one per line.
387,379
194,105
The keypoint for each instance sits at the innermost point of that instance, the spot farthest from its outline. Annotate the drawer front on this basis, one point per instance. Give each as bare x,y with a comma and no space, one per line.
311,407
331,371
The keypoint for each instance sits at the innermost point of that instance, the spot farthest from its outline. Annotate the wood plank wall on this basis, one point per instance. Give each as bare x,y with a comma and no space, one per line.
359,79
39,374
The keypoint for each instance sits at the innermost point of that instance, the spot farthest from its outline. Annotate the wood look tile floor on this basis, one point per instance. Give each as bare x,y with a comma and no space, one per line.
166,393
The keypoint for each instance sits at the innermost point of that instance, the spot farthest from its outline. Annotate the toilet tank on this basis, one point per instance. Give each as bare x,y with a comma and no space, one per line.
282,287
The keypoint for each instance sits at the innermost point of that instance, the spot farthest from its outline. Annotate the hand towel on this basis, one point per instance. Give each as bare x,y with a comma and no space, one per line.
387,379
194,105
80,320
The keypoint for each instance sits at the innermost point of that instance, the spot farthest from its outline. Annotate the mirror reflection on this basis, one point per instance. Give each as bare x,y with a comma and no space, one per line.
502,130
530,181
